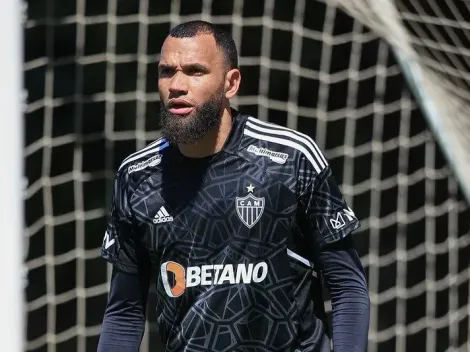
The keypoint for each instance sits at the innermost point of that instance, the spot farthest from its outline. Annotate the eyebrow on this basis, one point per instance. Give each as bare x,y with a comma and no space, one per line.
160,66
197,66
194,66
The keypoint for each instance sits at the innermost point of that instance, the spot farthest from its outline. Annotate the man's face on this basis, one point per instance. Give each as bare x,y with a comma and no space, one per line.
191,86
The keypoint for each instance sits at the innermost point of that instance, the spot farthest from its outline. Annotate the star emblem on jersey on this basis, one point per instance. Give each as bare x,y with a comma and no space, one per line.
249,208
250,188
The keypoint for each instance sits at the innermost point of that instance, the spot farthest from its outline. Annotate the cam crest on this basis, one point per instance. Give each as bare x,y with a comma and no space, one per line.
249,208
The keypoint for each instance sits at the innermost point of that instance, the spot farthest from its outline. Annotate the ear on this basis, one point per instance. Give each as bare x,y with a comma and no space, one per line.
232,83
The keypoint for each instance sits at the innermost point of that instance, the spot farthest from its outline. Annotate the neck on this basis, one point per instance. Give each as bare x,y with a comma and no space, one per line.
213,141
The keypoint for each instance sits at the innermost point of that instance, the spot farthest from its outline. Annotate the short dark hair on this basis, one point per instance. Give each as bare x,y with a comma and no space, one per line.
223,39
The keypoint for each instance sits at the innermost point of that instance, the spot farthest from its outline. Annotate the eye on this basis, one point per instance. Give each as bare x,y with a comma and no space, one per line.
194,71
165,71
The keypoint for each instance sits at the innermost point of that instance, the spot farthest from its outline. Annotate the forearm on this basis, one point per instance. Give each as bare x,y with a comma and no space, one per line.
124,320
347,285
350,320
121,335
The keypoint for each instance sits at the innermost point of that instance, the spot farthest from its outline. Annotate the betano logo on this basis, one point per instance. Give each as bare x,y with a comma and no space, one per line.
207,275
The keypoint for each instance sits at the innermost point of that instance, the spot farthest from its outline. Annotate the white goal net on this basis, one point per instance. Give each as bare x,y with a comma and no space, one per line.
90,72
432,40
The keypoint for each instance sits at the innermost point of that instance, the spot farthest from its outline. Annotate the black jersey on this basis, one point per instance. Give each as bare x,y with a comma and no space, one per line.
231,239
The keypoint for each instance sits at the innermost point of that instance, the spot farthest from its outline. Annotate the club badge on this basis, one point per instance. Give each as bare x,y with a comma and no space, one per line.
249,208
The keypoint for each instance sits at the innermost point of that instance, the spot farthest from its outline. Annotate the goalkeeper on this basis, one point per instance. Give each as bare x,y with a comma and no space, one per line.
239,222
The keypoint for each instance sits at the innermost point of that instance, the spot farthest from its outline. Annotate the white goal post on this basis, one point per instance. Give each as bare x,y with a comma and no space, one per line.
430,48
11,186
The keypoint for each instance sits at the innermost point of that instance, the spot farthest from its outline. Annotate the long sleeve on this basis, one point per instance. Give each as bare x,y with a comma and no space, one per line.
344,277
327,223
124,320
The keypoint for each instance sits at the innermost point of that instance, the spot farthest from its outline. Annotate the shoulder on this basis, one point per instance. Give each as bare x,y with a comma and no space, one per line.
149,156
281,144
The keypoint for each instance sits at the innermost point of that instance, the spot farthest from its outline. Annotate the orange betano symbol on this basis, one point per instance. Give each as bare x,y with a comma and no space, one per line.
180,281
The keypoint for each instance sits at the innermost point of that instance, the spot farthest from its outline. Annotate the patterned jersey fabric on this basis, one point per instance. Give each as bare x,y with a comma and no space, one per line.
231,239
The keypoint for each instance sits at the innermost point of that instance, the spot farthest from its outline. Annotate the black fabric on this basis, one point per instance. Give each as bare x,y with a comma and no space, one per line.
231,240
344,276
124,320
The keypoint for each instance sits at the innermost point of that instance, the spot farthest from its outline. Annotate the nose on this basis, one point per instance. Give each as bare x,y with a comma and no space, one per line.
178,84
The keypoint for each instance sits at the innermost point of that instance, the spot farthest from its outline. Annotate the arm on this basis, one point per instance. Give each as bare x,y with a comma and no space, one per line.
344,277
124,319
327,224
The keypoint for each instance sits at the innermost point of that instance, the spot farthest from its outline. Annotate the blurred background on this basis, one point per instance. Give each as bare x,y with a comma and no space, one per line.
332,72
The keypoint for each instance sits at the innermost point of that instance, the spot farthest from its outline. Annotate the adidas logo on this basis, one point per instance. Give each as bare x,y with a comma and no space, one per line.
162,216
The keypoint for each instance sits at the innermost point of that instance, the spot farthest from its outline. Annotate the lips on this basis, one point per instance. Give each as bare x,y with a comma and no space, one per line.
179,107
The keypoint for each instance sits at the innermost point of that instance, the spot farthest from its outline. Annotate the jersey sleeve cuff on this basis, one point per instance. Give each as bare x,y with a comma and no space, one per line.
115,262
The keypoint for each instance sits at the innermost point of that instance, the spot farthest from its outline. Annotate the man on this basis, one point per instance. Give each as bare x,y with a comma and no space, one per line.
237,220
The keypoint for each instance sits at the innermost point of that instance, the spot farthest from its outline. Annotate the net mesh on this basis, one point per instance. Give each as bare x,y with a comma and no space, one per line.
435,37
90,72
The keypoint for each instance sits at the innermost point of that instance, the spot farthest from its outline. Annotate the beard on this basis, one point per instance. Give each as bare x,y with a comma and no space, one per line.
190,128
